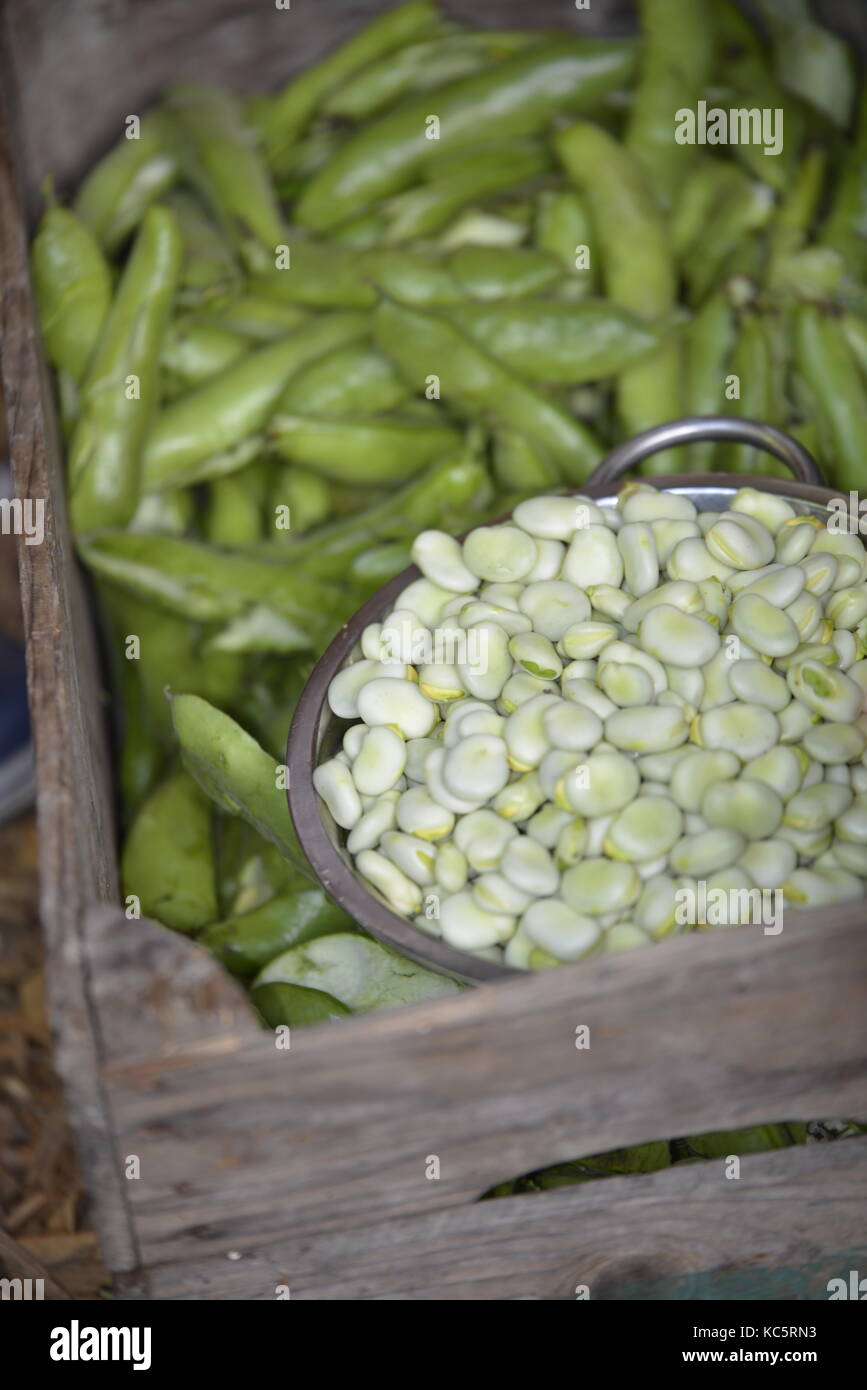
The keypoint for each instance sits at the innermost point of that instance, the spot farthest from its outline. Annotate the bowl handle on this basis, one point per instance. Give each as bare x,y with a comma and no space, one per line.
698,427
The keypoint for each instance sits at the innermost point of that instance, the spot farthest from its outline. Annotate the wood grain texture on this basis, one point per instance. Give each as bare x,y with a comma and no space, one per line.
74,800
789,1222
173,995
19,1263
704,1032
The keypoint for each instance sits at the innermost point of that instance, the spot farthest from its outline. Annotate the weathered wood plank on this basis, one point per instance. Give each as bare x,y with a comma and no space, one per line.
704,1032
789,1223
74,802
156,993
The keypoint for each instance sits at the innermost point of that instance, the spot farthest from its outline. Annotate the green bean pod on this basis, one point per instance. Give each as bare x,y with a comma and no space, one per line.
302,498
450,488
426,209
166,653
502,272
251,871
830,369
256,316
141,754
797,209
703,187
812,421
674,69
284,116
413,277
482,272
235,772
247,941
642,1158
708,342
810,61
562,229
283,1005
362,232
745,68
423,66
631,237
777,326
379,449
743,206
793,269
210,270
261,628
121,386
222,161
234,514
72,281
845,227
361,973
204,584
519,465
475,384
855,332
306,158
507,222
355,379
721,1143
168,858
118,191
555,343
751,365
376,566
318,275
193,351
518,97
67,402
234,405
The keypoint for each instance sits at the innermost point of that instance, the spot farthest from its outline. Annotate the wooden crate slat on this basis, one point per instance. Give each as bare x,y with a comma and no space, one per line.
791,1221
156,992
74,798
706,1032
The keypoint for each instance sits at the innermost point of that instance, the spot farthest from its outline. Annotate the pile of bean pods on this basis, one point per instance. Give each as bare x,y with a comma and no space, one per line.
443,269
572,718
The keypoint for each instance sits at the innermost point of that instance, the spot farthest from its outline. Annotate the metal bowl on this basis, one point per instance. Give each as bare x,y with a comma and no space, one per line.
316,732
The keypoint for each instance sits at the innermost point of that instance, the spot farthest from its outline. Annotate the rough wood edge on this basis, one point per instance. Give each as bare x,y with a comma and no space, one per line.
174,996
703,1033
780,1231
73,793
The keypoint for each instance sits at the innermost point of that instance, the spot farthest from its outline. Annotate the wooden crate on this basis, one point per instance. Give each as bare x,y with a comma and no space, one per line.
314,1168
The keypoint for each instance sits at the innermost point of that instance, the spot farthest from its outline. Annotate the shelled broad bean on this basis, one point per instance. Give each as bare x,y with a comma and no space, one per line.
566,725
